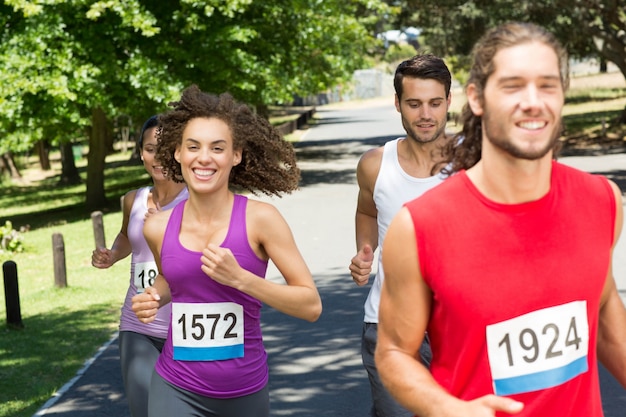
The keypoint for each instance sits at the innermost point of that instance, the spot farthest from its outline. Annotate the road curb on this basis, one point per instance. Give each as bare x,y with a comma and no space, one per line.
58,394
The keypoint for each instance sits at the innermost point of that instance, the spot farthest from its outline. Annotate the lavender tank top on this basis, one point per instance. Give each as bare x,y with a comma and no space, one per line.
143,268
215,346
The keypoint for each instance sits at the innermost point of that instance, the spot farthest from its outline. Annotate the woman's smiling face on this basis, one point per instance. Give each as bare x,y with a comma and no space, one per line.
206,154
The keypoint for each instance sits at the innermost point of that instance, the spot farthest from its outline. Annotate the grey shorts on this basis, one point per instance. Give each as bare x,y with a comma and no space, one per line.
167,400
138,354
383,404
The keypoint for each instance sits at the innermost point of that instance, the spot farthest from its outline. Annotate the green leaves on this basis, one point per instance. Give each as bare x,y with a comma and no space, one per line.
60,59
10,239
133,15
452,27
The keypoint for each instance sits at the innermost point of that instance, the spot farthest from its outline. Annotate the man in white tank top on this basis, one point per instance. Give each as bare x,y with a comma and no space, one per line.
389,176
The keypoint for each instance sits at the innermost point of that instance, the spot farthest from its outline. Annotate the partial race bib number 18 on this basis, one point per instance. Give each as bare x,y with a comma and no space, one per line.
144,275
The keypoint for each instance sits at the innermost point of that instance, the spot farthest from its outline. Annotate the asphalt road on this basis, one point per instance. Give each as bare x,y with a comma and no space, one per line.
315,368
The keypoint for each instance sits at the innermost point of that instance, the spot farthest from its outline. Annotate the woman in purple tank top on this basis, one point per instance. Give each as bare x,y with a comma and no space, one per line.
212,253
140,344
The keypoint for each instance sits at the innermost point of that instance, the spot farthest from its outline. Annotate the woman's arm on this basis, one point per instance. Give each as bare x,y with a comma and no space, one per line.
146,304
270,235
104,258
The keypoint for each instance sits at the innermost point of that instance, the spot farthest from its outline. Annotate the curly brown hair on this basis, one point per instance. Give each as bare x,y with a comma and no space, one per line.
268,162
466,150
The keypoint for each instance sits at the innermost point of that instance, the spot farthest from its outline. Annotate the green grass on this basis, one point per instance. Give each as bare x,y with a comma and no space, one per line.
594,95
64,203
63,327
586,109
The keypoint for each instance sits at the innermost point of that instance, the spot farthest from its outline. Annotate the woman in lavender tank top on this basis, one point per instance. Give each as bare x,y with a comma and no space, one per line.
212,253
140,343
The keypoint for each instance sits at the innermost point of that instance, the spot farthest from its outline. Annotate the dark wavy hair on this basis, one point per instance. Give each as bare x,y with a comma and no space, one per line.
268,162
425,66
148,124
466,150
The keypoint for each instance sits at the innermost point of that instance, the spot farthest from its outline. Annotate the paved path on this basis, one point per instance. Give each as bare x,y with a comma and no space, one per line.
315,368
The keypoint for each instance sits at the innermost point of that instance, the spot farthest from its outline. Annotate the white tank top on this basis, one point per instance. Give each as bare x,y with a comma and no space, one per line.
393,188
142,261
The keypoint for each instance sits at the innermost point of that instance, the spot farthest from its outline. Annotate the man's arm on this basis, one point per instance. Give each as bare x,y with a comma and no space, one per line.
366,226
611,342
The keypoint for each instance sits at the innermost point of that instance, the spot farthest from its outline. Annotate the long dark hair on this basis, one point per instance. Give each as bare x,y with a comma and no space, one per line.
153,121
466,150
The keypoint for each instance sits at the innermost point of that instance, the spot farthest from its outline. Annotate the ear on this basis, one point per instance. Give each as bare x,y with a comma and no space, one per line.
397,102
237,157
177,154
474,100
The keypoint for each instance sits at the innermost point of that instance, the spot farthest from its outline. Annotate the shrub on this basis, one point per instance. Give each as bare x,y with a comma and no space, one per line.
10,239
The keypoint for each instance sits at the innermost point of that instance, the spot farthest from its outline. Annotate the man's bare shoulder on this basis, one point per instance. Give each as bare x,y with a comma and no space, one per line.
369,163
373,155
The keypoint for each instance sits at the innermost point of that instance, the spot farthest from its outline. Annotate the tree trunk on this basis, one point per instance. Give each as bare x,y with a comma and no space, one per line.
9,165
43,151
622,118
69,173
109,138
95,197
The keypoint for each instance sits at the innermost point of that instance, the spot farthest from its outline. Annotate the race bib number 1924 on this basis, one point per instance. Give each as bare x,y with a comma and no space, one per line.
539,350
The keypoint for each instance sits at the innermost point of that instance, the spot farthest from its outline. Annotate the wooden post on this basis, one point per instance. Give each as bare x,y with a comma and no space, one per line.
12,295
98,229
58,255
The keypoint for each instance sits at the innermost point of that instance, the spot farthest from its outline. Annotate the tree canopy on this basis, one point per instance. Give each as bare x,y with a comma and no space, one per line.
585,27
64,62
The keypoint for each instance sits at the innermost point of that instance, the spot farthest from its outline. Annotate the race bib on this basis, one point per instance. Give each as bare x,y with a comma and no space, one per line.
144,275
207,331
539,350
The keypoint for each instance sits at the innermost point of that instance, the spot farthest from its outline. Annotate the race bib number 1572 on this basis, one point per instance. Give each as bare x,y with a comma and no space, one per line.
539,350
207,331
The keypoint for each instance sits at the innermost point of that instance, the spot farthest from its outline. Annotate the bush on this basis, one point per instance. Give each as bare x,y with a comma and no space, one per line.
10,239
396,53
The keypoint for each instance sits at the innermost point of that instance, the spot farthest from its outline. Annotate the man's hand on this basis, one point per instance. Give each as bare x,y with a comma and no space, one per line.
486,406
361,265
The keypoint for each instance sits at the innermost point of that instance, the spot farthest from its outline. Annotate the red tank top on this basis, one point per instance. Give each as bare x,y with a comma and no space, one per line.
516,290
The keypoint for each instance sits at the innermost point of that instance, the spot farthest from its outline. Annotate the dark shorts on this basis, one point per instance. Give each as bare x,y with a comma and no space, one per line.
138,354
167,400
383,404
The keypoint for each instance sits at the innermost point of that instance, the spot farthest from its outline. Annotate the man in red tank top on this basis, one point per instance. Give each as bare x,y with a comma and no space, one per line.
513,282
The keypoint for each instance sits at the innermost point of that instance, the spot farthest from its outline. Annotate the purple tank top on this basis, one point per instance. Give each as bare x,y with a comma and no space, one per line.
143,268
215,346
